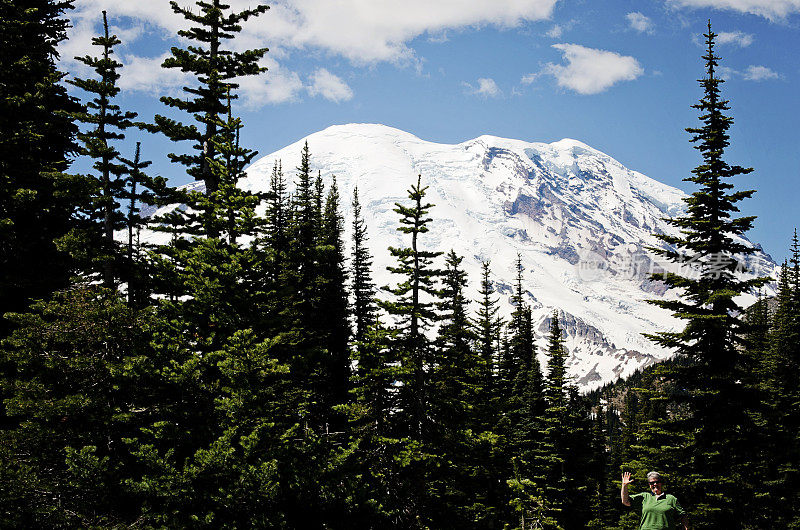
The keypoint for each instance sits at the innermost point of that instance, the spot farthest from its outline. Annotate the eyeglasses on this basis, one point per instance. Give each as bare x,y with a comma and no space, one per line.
656,482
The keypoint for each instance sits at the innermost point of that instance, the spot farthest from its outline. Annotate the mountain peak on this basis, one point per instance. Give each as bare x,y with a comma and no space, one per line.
575,145
372,130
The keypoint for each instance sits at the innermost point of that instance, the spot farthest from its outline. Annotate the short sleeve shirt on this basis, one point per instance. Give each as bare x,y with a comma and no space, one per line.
658,513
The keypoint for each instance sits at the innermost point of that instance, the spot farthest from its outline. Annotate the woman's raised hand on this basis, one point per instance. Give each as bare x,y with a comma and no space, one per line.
626,478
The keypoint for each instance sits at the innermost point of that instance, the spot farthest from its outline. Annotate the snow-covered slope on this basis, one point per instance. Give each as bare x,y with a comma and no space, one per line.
578,218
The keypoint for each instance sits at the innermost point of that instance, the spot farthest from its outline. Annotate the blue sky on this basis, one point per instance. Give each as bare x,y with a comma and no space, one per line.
619,75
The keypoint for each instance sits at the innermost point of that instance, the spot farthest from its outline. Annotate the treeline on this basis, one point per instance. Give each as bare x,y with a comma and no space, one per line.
247,372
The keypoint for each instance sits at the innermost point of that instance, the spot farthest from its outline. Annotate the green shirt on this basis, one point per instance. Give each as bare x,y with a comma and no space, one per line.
658,513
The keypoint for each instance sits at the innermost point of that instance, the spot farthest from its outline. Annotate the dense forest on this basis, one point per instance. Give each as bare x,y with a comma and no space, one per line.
248,372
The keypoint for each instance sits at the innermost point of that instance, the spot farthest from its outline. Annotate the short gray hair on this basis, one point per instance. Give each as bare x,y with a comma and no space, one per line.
652,475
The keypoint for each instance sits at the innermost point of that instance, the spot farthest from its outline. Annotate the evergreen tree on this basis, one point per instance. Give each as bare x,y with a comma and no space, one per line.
529,503
333,299
142,191
215,68
601,509
105,122
37,139
310,268
455,371
554,427
319,202
488,326
454,391
413,306
564,455
513,356
376,448
780,395
413,309
488,455
519,374
714,332
363,288
277,218
304,234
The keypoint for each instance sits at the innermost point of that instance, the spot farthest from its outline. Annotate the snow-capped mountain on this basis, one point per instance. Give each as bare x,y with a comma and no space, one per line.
578,218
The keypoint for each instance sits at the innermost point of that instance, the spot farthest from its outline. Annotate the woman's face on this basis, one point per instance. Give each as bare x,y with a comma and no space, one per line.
655,485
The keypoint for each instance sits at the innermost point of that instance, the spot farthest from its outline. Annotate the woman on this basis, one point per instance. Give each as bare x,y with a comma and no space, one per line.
660,511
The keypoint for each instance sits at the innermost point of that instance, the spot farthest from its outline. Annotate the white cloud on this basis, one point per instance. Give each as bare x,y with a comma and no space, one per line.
362,32
726,72
329,86
527,79
486,87
639,22
276,86
752,73
144,74
555,32
743,40
380,30
759,73
770,9
590,71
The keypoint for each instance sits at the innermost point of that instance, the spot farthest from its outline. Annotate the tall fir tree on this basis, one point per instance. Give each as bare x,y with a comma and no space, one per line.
141,191
488,326
454,393
215,67
306,286
304,234
519,374
277,217
413,306
709,245
362,286
455,374
413,309
564,453
333,303
780,395
376,450
601,510
553,452
104,124
490,455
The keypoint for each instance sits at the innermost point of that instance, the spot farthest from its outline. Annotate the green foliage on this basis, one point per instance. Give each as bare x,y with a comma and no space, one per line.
488,327
70,396
455,376
277,224
519,374
333,300
362,286
210,457
37,139
530,504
